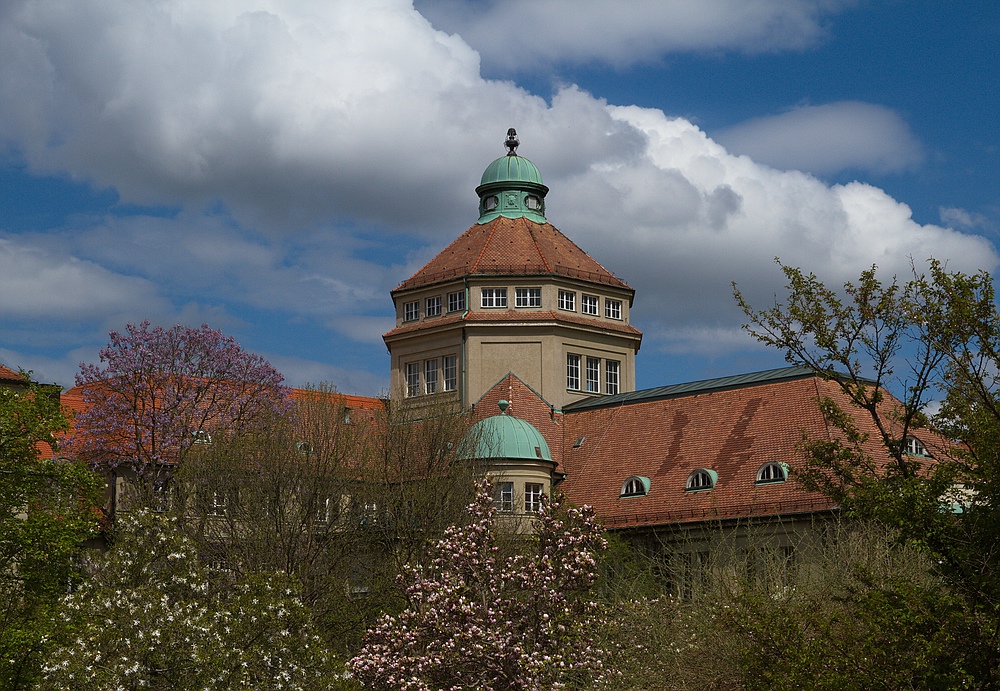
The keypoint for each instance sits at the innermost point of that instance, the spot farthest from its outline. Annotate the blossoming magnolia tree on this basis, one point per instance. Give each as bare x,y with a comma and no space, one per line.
481,618
160,391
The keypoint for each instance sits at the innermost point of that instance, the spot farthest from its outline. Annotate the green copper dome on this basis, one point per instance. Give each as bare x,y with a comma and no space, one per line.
512,187
505,437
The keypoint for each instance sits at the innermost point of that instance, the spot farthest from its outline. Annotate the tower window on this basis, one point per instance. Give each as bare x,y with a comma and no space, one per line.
450,372
503,497
412,379
490,203
432,308
588,304
532,202
593,375
612,309
494,297
411,311
527,297
612,370
532,497
456,301
573,372
567,300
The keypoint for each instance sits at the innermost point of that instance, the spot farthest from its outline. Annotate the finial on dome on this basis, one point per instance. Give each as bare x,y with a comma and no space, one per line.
503,406
512,143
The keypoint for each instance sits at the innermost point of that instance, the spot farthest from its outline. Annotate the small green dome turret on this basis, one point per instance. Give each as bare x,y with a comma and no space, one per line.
505,437
512,187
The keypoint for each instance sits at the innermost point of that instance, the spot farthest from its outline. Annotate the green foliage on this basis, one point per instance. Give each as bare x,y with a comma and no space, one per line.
46,515
893,349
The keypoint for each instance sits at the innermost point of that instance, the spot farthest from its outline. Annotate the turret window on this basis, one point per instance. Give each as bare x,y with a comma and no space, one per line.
527,297
494,297
532,497
411,311
490,203
567,300
503,497
533,202
588,304
612,309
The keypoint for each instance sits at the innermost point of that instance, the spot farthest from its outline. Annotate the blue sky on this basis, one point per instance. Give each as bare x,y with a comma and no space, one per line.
276,168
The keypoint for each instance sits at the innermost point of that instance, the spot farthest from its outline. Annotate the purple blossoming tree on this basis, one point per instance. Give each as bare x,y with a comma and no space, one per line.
158,392
480,618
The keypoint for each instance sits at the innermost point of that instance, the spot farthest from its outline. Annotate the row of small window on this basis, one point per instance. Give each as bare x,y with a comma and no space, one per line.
523,297
592,374
503,497
704,479
431,376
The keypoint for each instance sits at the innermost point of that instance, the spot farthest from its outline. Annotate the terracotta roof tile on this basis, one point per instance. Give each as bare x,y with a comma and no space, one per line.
511,246
7,374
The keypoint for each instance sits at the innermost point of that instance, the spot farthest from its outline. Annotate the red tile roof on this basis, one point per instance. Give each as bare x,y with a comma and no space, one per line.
7,374
515,247
732,431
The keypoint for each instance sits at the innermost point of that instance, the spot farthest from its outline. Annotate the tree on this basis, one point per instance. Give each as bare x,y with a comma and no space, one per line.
934,337
331,496
46,515
148,617
476,620
162,392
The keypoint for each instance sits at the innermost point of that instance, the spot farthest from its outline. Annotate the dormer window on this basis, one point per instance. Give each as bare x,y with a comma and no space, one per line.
201,437
303,447
772,473
914,447
635,486
701,479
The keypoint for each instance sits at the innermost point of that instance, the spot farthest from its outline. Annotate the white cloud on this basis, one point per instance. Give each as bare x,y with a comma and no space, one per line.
828,139
955,217
532,34
337,146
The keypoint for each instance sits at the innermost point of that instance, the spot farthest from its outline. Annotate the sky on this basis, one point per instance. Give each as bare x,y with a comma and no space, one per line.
275,167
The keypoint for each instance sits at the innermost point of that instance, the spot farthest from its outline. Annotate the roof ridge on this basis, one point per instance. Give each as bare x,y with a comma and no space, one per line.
534,241
482,250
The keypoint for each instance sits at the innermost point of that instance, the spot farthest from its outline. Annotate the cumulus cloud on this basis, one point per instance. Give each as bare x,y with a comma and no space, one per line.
955,217
321,152
828,139
533,34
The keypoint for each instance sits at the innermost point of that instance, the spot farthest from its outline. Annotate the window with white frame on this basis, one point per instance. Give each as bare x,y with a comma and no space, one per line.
431,376
503,497
411,311
700,479
219,504
612,308
532,497
456,301
432,308
527,297
593,375
914,447
412,379
771,473
612,371
573,372
494,297
589,304
324,510
450,371
201,436
567,300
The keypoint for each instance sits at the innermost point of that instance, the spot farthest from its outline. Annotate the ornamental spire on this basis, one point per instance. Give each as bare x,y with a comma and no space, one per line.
512,143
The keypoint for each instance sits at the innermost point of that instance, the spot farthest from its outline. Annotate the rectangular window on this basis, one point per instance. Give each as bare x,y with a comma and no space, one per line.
588,304
594,375
532,497
456,301
494,297
324,510
612,309
527,297
432,308
503,497
573,372
612,370
219,504
411,311
431,375
567,300
450,372
412,379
